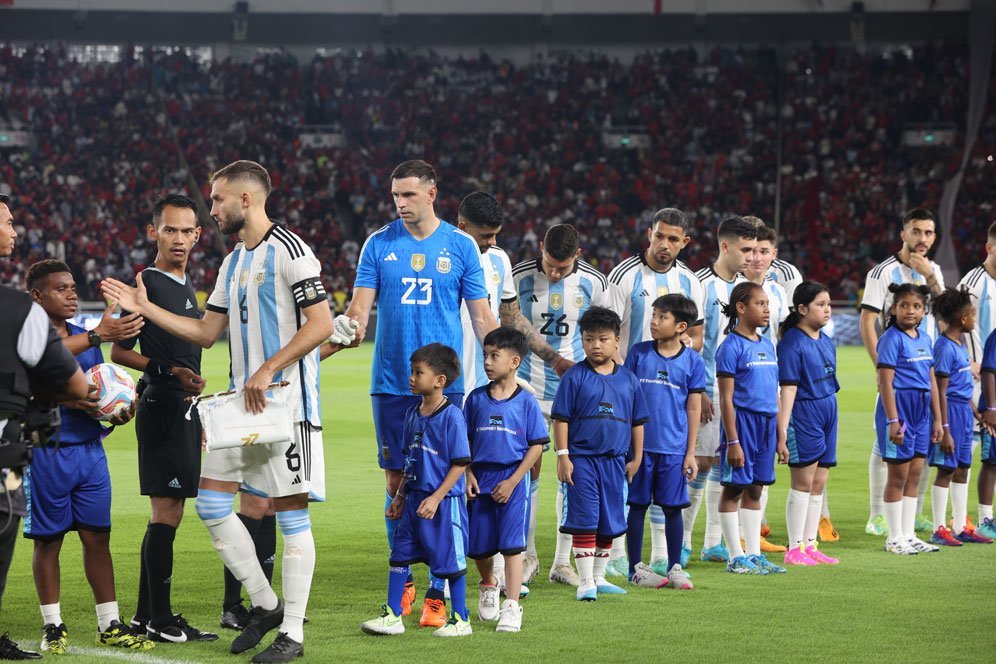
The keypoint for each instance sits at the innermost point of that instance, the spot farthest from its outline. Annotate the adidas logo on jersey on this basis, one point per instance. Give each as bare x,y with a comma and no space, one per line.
391,257
174,484
189,305
644,293
533,298
297,480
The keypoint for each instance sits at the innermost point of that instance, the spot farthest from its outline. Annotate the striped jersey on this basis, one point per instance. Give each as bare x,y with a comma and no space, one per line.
786,275
633,287
262,290
498,280
778,308
716,293
878,299
982,286
554,310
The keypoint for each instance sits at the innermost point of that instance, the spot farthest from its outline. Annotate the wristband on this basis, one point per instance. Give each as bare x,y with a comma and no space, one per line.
895,421
563,452
991,409
946,425
557,363
735,441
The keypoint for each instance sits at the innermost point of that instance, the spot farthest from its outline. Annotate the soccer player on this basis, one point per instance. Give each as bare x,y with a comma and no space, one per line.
599,412
169,445
270,299
737,238
554,291
417,269
507,433
672,377
68,486
430,505
747,375
910,266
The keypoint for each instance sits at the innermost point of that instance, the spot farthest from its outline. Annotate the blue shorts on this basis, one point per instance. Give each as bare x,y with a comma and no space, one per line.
596,503
812,433
67,489
439,542
389,421
757,439
498,527
660,480
913,408
961,424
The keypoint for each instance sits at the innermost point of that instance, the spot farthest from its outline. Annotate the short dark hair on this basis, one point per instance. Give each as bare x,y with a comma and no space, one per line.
481,209
597,319
951,303
992,231
440,358
917,214
671,217
736,226
507,338
682,308
4,199
415,168
247,171
42,269
562,242
767,234
172,200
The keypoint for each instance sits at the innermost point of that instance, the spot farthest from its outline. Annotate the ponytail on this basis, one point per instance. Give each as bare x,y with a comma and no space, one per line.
741,294
804,294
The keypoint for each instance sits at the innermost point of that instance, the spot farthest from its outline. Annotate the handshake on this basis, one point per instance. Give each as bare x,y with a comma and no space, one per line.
343,330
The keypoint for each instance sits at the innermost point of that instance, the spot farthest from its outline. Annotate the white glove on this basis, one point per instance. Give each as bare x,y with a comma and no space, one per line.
524,384
343,330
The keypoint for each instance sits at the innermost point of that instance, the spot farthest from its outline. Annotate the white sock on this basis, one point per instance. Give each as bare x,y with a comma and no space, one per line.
750,520
688,515
658,537
985,512
585,561
298,569
939,504
796,508
498,565
825,510
894,519
909,518
51,614
959,505
922,488
562,553
618,549
730,524
601,561
533,511
107,613
234,545
812,526
878,475
764,504
713,531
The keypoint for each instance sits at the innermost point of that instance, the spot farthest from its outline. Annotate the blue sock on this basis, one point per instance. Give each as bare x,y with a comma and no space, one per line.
390,524
458,595
634,536
396,587
714,474
437,588
698,482
674,530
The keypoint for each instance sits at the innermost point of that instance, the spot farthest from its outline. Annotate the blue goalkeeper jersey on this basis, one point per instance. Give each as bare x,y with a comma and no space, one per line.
420,285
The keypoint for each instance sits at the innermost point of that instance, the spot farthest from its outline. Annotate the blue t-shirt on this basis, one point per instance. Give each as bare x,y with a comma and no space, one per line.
951,362
753,366
501,432
600,411
666,383
433,444
419,284
77,425
911,358
809,364
988,364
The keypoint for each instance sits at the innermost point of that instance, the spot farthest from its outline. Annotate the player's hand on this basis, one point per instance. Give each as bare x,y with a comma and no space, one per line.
947,442
344,330
631,469
124,415
685,339
707,410
921,264
561,366
502,492
782,451
988,418
395,508
204,441
938,433
735,455
427,508
131,298
255,390
473,489
565,469
89,404
897,433
116,329
690,467
188,380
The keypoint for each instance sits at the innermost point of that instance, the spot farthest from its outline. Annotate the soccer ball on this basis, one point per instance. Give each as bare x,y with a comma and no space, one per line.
115,389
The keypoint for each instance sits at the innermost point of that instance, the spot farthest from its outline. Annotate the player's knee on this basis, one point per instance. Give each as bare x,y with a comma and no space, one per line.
293,522
213,506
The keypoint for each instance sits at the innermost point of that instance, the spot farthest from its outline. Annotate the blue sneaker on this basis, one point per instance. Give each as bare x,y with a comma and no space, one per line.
586,592
605,588
618,567
686,555
715,554
660,566
769,567
987,528
743,565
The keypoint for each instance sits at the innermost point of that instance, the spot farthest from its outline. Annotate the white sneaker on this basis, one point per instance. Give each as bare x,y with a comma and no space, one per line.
511,617
645,577
920,546
899,547
678,579
487,604
530,566
564,574
455,626
587,591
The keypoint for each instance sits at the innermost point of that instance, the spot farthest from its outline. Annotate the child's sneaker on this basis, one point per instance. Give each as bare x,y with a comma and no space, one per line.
819,556
827,532
923,523
877,526
55,639
385,625
618,567
742,565
972,536
510,619
987,528
645,577
686,556
765,529
587,591
487,604
798,556
433,613
564,574
119,635
408,598
900,547
605,588
944,537
766,566
716,554
455,626
920,546
768,547
677,578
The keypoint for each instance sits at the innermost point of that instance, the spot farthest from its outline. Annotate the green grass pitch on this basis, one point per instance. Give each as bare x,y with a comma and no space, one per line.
872,607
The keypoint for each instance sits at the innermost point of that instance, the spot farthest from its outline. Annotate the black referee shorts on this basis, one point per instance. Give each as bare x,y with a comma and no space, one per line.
169,446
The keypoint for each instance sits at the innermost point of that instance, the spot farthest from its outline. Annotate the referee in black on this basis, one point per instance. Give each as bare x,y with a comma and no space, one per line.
169,445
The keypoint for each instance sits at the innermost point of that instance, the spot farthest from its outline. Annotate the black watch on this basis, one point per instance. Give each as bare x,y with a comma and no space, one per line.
94,339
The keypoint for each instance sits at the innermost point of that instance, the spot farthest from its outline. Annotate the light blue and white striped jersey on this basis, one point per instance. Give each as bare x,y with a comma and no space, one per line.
554,310
716,294
778,309
878,299
633,287
501,288
786,275
982,286
262,290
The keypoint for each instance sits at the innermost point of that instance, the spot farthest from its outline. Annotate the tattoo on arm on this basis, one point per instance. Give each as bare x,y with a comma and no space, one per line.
511,315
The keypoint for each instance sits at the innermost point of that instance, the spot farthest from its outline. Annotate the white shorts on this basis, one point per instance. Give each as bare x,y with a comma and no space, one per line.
707,442
274,471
